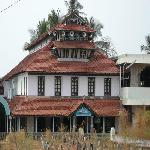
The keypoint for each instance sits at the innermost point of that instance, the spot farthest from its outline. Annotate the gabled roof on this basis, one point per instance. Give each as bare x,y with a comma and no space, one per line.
73,27
73,14
45,62
50,106
74,44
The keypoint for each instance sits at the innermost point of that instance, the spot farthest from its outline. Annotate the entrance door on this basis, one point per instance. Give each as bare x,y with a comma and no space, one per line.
83,121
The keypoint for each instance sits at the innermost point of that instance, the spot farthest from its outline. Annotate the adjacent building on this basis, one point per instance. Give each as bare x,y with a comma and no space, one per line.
135,85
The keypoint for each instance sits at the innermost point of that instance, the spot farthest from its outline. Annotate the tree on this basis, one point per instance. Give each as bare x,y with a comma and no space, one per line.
73,6
146,47
94,24
105,45
53,18
44,25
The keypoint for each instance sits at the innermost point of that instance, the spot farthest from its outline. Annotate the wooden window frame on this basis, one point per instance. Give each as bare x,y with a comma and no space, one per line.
107,86
74,86
57,85
41,85
91,86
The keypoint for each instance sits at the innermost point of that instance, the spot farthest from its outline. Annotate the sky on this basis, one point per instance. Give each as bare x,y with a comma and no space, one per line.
126,22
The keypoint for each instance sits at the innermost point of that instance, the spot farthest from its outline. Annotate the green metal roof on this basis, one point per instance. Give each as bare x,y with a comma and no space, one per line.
6,106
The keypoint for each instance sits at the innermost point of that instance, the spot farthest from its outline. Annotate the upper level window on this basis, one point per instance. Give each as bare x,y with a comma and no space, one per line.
107,87
91,86
74,86
57,86
41,85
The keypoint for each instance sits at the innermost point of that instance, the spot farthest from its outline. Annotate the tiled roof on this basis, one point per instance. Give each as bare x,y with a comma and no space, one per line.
74,44
45,62
73,27
36,41
46,106
63,27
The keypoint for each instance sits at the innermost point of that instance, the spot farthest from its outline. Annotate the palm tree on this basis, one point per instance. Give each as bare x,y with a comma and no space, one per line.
94,24
146,47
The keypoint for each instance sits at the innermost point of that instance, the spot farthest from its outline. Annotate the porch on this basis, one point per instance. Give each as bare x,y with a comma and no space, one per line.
38,124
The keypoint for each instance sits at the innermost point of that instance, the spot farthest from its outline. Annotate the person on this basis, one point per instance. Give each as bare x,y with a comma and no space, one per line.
81,130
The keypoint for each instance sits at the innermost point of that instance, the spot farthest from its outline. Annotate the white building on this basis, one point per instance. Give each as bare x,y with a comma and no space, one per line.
64,81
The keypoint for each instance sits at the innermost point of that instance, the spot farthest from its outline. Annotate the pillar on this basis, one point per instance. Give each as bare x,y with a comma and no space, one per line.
87,125
18,124
70,124
74,123
103,125
53,124
36,125
92,123
7,124
10,119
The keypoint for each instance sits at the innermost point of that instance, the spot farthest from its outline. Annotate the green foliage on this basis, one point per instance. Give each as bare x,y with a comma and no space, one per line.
53,18
141,128
146,47
44,25
73,6
96,25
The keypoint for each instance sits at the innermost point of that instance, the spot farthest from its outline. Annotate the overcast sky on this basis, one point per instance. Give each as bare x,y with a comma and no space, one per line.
126,22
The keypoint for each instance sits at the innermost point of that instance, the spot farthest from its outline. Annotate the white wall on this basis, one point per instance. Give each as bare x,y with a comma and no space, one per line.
32,85
83,86
99,86
66,85
21,81
115,86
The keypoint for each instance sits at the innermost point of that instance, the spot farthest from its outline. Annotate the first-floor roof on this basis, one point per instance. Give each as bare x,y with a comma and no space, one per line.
45,62
52,106
134,59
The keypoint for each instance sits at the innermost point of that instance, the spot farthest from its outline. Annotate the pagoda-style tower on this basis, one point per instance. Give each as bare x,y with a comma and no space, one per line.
72,39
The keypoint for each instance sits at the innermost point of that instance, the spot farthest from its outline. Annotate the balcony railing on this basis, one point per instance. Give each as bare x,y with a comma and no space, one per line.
135,95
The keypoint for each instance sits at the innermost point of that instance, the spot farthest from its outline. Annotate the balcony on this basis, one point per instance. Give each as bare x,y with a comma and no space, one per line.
135,95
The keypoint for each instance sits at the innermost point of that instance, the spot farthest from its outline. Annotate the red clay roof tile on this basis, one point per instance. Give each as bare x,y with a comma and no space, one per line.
46,106
74,44
45,62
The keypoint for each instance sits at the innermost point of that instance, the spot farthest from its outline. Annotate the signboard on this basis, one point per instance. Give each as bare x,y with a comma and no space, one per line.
83,112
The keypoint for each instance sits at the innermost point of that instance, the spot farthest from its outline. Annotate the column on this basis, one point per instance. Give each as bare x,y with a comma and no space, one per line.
53,124
18,124
92,123
70,123
7,124
87,125
10,119
103,125
74,123
36,125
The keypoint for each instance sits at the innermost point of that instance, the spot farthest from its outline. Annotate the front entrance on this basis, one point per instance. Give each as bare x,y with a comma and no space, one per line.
83,119
84,122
